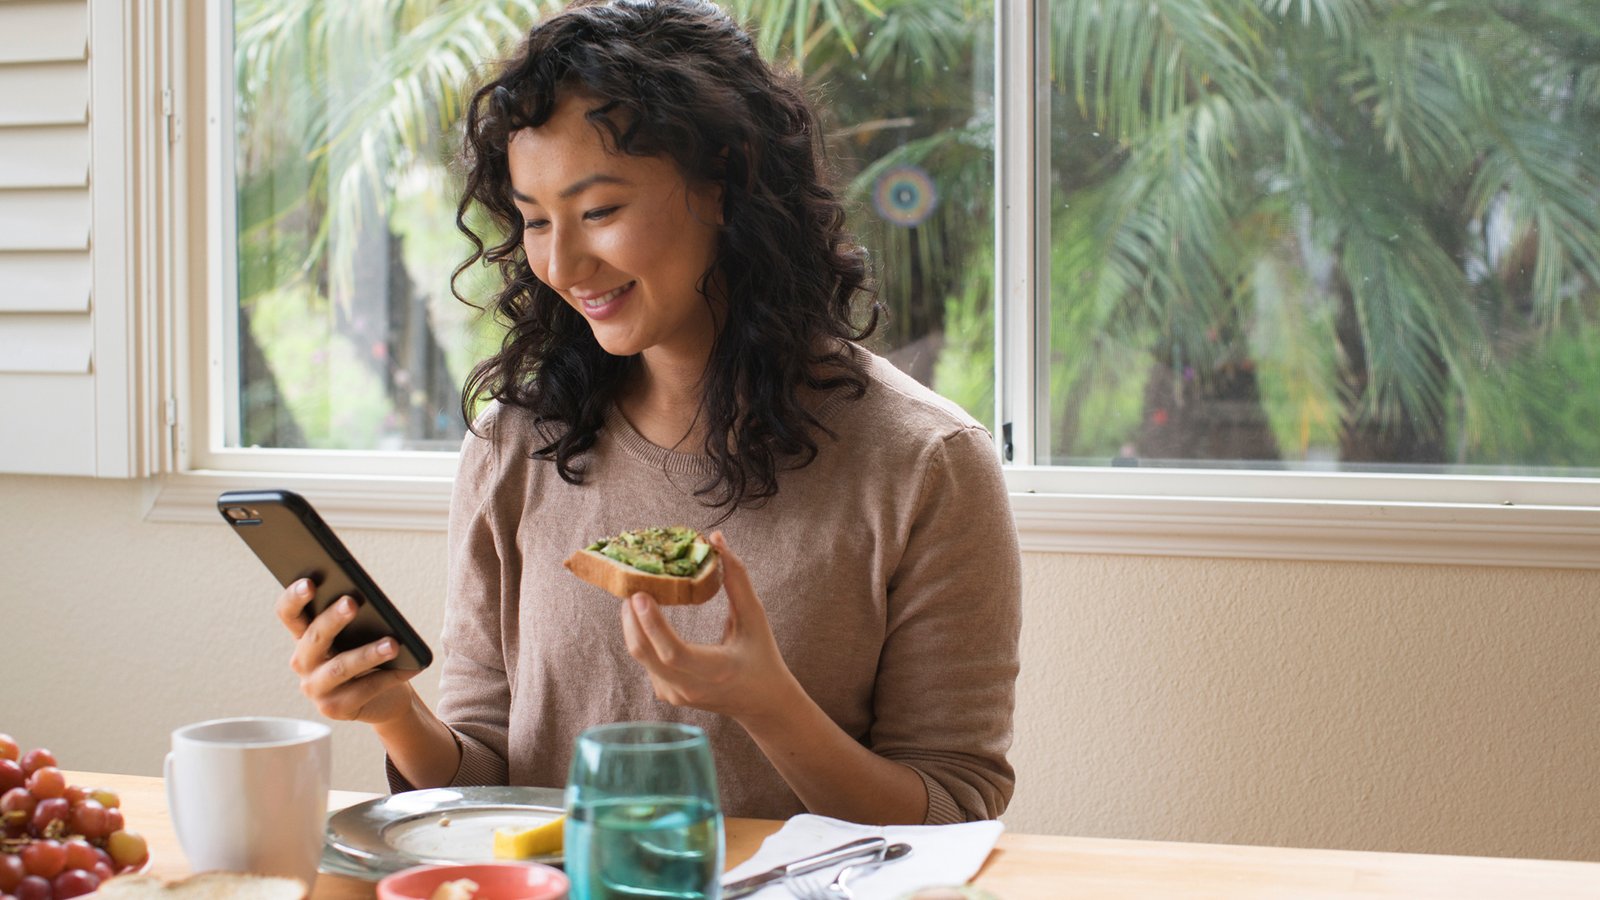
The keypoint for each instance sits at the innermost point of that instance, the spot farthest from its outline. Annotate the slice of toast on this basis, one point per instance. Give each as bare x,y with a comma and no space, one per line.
623,580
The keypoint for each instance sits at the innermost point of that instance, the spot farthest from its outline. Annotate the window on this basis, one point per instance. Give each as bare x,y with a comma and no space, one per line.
1350,236
343,333
1281,277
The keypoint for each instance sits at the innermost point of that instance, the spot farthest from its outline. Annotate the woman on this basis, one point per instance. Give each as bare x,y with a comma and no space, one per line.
679,289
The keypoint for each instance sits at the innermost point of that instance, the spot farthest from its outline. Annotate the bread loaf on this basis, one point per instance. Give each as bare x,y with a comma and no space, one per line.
205,886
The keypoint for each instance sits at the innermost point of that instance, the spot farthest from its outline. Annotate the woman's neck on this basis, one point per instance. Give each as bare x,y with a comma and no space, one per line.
663,402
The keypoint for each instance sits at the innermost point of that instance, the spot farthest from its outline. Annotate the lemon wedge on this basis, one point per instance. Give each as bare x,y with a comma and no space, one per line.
523,843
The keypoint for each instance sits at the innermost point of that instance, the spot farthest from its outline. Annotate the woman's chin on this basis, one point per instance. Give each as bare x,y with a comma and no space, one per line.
616,345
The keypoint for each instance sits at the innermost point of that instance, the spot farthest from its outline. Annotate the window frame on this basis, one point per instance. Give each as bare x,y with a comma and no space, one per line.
1220,513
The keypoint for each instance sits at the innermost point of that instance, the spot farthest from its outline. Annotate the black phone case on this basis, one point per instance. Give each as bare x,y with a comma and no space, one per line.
293,541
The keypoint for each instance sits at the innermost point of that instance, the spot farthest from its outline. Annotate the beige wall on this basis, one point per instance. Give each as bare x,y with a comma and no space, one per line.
1415,708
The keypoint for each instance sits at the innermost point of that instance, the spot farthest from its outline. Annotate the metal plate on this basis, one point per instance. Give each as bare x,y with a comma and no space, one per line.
434,826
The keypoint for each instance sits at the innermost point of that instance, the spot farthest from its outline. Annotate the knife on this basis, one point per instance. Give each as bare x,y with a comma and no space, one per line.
746,886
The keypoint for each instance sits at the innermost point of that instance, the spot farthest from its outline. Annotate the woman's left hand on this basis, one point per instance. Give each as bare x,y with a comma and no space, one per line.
743,676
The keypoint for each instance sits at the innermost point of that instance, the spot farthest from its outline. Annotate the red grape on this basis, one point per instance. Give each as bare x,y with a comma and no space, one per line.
75,794
37,758
103,871
44,858
74,883
8,747
107,798
18,800
33,888
47,783
113,820
127,848
49,811
80,855
11,775
12,871
89,819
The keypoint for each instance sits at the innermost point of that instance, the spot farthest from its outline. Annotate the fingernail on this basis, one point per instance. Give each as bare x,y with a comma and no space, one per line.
640,603
386,647
303,587
347,606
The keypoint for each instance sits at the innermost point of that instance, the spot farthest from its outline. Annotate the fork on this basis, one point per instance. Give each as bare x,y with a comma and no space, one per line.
812,887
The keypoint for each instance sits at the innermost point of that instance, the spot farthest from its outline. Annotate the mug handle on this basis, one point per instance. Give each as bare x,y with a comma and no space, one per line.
172,798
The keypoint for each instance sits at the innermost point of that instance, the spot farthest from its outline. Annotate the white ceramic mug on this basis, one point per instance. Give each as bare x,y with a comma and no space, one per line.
251,794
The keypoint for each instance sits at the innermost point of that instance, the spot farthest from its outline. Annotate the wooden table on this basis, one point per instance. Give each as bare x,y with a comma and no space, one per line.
1039,867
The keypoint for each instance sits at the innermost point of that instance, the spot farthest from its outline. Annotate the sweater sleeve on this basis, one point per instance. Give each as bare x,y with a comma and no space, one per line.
475,693
947,675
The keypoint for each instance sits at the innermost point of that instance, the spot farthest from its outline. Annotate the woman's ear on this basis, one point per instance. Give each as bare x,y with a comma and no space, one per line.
705,202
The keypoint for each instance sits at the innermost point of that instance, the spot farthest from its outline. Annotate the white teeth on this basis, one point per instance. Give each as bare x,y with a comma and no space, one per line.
607,297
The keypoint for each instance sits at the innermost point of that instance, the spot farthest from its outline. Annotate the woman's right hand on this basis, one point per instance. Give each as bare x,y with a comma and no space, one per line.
345,686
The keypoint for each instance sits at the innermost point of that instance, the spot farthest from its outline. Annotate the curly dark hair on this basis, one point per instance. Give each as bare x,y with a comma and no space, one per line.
676,79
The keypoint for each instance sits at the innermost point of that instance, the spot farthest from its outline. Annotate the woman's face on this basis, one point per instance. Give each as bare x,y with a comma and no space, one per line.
625,240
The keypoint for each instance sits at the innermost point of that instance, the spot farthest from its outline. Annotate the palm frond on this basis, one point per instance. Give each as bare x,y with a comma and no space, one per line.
1129,65
1548,184
792,29
1410,298
917,41
1411,82
1342,19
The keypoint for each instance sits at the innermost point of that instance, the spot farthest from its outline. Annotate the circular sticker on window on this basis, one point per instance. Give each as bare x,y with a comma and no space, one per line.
905,196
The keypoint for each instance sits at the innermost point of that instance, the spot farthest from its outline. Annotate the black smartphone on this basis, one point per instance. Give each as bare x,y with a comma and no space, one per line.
294,542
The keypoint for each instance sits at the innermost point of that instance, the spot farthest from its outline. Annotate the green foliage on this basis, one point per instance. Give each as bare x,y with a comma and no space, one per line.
1365,202
1539,408
1388,210
331,394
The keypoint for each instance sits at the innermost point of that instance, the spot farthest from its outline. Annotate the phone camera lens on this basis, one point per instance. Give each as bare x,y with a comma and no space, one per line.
239,513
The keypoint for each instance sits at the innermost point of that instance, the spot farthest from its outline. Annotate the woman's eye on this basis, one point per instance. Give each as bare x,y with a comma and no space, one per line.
534,224
597,214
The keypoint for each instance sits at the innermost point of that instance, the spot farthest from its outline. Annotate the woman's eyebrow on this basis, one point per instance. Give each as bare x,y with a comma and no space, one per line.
577,187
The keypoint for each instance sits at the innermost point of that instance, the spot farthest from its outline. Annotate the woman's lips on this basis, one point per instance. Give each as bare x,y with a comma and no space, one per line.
608,304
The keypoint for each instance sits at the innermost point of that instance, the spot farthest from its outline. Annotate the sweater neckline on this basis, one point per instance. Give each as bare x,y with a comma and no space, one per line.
681,463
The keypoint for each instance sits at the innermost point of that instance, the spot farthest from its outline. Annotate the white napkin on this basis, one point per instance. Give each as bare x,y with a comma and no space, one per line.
940,855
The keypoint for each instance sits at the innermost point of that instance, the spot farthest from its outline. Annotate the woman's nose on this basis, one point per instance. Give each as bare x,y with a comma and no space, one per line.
570,261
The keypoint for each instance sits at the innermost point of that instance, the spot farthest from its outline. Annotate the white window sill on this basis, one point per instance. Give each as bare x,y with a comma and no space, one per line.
1504,533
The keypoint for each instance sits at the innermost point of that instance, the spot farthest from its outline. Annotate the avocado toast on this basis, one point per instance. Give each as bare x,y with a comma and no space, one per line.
675,565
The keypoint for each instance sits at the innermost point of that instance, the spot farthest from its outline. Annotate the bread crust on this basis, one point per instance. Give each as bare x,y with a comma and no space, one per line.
203,886
622,580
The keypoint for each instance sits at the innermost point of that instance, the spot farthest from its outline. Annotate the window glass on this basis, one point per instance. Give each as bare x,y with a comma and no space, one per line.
347,116
1353,235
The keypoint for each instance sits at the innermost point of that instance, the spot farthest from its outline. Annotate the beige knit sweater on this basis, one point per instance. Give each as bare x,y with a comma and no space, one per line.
888,567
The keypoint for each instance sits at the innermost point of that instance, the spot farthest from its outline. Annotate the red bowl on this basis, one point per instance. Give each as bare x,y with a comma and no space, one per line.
496,881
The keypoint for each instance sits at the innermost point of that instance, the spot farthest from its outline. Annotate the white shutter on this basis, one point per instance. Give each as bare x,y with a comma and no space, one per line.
63,303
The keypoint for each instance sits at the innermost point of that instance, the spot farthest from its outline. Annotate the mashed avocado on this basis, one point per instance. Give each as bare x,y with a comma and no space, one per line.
660,551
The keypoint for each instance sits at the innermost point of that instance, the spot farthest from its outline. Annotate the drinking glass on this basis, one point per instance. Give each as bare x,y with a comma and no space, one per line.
643,817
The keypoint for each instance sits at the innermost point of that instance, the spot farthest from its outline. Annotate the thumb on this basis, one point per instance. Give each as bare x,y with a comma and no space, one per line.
743,604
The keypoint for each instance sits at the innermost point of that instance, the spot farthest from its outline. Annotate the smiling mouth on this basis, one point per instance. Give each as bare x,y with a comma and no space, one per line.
600,302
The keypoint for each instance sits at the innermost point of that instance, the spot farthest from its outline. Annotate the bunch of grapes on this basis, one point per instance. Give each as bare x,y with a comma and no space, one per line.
57,840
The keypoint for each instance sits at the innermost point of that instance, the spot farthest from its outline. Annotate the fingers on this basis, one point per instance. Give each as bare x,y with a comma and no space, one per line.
650,637
291,607
343,684
316,639
350,699
744,606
